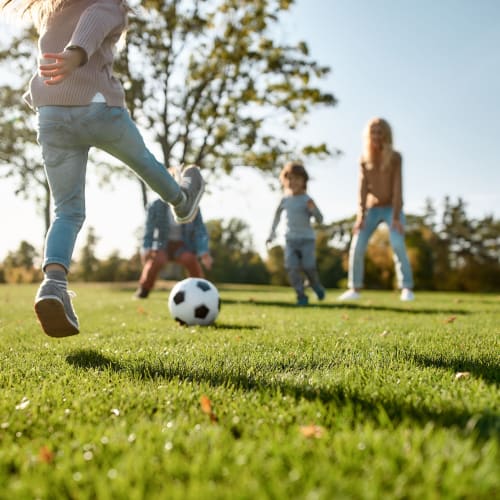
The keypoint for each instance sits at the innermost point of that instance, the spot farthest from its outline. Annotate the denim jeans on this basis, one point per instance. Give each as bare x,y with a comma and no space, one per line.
300,256
374,216
66,134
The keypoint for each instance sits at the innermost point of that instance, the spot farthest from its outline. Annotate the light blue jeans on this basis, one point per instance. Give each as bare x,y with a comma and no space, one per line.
66,133
374,216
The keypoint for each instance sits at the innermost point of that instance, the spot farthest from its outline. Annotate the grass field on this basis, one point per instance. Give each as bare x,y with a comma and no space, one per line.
377,399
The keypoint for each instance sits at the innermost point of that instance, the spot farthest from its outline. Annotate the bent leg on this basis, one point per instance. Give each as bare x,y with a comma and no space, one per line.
126,143
190,262
151,269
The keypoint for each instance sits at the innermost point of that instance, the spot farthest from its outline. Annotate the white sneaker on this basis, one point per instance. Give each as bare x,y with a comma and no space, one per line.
349,295
407,295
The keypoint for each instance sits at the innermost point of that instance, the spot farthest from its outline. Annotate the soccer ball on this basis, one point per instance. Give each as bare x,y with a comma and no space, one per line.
194,301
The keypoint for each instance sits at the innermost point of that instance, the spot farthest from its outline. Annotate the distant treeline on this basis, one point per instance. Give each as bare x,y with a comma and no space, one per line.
453,253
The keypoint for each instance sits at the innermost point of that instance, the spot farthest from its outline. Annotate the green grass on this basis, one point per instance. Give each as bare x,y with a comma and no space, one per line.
115,412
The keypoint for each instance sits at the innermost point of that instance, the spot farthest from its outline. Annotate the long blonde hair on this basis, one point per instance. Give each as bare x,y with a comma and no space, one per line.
41,10
387,151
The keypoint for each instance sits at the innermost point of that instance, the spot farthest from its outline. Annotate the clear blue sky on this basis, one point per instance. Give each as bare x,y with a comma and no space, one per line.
431,67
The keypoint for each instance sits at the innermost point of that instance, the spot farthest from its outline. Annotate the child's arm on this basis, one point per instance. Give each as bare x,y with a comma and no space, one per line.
314,211
98,22
276,220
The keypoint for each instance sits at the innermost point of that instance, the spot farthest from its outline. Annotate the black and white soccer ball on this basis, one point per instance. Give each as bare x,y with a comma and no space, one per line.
194,301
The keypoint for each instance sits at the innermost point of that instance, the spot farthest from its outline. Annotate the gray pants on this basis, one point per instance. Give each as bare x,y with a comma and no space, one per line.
300,259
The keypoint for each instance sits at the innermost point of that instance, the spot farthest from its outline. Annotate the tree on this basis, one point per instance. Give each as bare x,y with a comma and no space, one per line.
88,263
235,261
20,158
19,266
214,88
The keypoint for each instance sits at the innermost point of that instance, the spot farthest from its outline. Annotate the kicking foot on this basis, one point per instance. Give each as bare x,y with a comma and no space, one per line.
54,309
192,185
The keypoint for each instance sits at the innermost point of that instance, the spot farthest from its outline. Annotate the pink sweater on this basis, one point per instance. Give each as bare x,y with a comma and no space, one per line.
95,26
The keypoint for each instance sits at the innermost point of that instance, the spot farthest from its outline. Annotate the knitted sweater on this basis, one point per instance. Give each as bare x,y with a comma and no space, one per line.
95,26
380,187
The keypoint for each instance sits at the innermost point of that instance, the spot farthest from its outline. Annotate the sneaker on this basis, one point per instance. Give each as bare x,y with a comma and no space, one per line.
319,291
349,295
302,300
407,295
54,309
192,185
141,293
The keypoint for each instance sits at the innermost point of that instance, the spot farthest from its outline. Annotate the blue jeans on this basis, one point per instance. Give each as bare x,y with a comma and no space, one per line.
66,134
374,216
300,256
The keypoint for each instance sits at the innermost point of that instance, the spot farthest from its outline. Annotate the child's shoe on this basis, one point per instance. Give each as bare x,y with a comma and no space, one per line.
319,291
54,309
302,300
192,185
141,293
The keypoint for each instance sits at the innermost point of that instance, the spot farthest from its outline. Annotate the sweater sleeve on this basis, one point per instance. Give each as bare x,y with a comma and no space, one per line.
397,187
276,220
362,192
316,212
99,21
201,238
149,228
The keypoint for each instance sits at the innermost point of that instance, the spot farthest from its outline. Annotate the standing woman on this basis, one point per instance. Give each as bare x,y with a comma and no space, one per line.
80,104
379,200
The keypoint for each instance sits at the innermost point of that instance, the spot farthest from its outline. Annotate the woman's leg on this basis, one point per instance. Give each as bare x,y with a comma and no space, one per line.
357,249
404,274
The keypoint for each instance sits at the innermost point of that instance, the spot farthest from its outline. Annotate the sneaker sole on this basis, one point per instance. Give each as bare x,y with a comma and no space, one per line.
52,317
191,215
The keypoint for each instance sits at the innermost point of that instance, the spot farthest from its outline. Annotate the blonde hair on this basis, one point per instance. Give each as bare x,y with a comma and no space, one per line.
41,10
387,151
293,168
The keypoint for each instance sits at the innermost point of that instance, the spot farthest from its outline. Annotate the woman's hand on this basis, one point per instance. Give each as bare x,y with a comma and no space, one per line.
358,225
64,64
396,225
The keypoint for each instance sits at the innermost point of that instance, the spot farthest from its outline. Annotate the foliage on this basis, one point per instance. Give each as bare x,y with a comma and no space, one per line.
273,401
19,266
213,85
234,259
20,158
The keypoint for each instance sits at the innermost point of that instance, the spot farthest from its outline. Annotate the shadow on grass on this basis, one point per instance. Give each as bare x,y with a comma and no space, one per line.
487,369
379,409
344,305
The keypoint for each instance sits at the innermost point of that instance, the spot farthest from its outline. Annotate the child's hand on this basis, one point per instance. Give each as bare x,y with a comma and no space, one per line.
64,64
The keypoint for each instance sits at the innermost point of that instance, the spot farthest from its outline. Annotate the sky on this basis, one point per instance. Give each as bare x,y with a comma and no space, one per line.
431,68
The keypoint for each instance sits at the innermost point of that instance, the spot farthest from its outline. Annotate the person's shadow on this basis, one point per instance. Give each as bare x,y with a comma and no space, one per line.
485,424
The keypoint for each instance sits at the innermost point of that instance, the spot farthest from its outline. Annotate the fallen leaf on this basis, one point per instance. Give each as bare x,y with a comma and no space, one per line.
46,455
384,333
451,319
460,375
141,310
312,431
206,407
